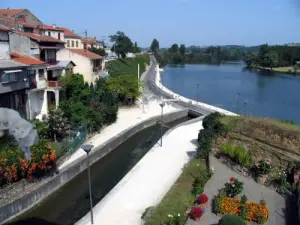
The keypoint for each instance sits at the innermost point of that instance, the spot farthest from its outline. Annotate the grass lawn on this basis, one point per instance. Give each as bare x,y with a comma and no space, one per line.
128,66
179,197
287,69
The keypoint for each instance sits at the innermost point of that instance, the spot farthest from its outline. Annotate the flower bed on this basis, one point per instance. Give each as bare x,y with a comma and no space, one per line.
14,167
256,212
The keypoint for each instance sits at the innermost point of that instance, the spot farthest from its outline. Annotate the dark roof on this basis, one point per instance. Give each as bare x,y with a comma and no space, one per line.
39,38
69,33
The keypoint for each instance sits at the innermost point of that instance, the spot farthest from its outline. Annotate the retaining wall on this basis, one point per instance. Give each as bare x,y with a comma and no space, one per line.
73,169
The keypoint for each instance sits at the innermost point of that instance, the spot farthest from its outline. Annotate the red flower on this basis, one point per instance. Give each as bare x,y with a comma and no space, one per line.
196,212
232,179
202,199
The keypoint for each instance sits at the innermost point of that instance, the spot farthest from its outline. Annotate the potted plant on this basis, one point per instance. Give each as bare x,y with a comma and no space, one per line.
196,213
202,201
263,169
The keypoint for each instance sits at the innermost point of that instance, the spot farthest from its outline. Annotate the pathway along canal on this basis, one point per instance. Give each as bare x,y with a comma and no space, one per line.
71,202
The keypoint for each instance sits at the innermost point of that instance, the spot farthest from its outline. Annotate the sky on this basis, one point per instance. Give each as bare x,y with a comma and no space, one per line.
189,22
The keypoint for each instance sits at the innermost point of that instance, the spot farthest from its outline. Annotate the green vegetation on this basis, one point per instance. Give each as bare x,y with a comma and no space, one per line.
231,220
123,44
278,58
128,66
99,51
179,197
237,153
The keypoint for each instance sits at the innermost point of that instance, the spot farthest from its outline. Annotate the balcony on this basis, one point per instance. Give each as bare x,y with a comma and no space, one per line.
54,84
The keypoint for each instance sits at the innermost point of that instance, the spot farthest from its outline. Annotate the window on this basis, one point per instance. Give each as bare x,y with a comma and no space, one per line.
49,33
68,43
10,77
58,36
72,43
41,73
76,44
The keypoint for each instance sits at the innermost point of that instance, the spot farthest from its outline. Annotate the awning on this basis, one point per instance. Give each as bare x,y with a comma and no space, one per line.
13,71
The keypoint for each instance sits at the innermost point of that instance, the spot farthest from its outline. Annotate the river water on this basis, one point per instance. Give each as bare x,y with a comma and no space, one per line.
263,94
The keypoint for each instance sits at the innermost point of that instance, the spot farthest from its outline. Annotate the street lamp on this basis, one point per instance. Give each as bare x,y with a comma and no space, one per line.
197,93
162,104
87,149
238,103
245,106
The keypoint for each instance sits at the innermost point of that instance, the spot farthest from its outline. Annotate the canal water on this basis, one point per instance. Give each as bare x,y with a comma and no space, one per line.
71,202
263,94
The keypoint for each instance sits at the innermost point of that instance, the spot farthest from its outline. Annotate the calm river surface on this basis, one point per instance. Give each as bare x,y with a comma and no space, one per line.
266,94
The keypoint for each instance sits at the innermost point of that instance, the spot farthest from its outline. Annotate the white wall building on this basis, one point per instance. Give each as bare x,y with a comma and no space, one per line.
87,63
72,40
53,31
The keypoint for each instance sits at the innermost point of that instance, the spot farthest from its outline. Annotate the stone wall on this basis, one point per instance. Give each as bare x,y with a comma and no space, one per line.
73,169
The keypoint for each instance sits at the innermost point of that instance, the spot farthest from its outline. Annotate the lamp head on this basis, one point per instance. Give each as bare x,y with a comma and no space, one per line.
87,148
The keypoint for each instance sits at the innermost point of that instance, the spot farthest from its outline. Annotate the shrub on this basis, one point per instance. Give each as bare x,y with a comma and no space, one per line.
196,213
244,199
210,120
231,220
244,212
216,205
238,154
228,149
202,199
234,187
263,168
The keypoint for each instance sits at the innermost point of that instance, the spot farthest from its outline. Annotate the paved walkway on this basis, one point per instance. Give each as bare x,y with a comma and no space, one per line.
255,192
148,181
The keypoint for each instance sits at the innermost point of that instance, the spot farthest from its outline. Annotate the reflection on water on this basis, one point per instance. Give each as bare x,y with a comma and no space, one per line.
267,93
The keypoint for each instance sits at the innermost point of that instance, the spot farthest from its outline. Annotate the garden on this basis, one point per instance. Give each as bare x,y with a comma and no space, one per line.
229,201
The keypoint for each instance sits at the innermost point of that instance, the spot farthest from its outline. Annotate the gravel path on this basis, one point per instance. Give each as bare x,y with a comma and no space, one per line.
254,192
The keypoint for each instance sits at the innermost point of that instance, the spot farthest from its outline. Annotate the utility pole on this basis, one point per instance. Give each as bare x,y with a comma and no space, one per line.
85,45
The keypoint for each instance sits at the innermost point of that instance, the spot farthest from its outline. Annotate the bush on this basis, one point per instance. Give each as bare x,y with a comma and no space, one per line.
231,220
234,187
244,199
14,167
244,212
237,154
196,213
210,120
263,168
216,205
202,199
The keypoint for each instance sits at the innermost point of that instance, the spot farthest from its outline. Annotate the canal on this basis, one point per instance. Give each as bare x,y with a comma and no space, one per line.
71,202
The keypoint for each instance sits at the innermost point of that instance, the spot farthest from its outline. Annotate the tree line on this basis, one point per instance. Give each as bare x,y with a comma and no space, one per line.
179,54
274,56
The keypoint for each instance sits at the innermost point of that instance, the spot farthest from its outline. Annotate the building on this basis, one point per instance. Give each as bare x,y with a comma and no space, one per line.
72,40
13,77
87,63
53,31
91,42
19,19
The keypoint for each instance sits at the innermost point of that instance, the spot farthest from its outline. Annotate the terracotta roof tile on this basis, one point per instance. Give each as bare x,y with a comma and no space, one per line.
51,27
69,33
85,53
89,40
5,28
26,59
39,38
10,12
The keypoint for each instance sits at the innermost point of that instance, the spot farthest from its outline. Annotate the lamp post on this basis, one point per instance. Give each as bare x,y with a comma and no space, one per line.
238,103
87,149
245,106
162,104
197,93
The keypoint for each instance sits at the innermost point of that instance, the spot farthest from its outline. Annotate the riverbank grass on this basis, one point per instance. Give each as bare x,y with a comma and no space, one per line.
128,66
287,69
179,197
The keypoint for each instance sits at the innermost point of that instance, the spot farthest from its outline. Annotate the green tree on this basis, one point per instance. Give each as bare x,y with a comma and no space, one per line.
174,48
182,49
271,59
99,51
250,59
136,48
154,46
122,44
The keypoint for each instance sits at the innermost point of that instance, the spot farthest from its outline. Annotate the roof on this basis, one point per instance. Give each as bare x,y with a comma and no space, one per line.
65,63
5,28
8,63
26,59
89,40
85,53
69,33
39,38
10,12
51,27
